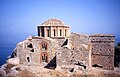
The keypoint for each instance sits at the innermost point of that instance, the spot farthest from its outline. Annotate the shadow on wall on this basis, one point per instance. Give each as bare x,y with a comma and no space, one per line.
65,43
51,64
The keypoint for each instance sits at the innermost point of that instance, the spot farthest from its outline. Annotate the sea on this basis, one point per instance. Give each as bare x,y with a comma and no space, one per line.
5,51
8,44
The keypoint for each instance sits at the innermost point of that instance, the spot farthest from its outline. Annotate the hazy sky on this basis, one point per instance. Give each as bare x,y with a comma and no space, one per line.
19,18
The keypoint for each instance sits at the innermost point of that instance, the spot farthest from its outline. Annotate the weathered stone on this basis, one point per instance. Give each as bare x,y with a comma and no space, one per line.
72,52
2,72
14,61
102,50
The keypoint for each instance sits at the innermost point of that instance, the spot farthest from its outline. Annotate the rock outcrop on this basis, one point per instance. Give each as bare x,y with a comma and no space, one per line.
13,61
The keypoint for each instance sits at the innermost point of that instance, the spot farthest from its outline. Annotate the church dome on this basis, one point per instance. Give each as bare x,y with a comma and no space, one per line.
53,22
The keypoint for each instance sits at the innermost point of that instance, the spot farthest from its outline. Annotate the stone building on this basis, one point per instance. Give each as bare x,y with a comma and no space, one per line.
53,28
55,46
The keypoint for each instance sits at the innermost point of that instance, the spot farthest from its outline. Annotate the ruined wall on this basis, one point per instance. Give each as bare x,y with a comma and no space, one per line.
23,52
64,56
76,52
50,51
30,50
102,51
80,45
78,49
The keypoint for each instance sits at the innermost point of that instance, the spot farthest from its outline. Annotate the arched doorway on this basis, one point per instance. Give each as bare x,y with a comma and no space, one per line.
44,57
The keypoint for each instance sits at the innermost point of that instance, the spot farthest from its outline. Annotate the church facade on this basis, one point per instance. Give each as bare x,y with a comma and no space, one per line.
56,47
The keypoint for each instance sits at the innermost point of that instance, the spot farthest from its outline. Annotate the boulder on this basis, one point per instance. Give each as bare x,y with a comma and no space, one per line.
14,71
2,72
14,61
3,66
58,67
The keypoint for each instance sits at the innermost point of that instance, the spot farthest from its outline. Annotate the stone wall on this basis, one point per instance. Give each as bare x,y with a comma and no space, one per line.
30,50
102,51
75,53
51,47
77,49
80,46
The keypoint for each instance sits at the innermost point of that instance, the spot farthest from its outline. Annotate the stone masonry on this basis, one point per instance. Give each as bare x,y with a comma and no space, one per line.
102,50
66,50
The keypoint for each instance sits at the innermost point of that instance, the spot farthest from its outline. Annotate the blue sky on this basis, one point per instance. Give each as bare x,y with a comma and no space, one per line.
19,18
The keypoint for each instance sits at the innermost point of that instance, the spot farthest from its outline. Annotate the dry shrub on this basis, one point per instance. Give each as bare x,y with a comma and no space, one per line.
79,75
9,66
25,73
108,75
57,74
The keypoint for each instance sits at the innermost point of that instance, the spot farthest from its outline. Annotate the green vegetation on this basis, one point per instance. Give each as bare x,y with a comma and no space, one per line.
117,55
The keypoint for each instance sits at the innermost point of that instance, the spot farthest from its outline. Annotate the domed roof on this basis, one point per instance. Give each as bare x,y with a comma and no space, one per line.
53,22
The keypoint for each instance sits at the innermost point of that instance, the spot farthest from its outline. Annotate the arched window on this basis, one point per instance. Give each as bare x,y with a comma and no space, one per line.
60,32
65,32
54,32
44,57
44,46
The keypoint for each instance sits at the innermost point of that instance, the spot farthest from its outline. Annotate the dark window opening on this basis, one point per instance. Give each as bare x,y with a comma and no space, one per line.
54,32
42,32
73,48
44,58
30,45
32,50
60,32
48,33
65,32
109,49
44,46
71,70
39,30
28,59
